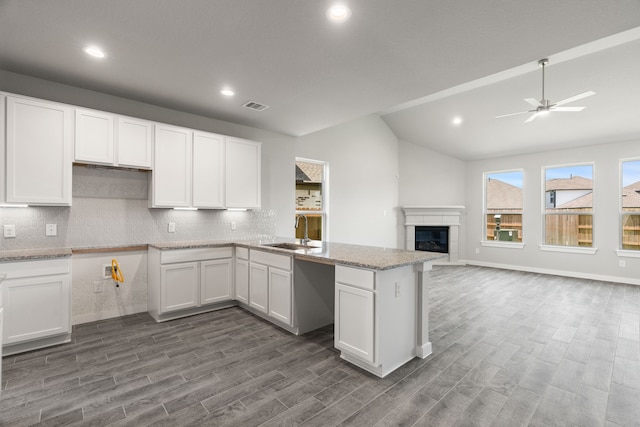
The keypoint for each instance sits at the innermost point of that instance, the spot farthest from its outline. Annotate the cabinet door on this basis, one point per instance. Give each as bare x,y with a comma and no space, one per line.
178,286
208,170
280,290
135,142
94,140
258,286
3,194
36,307
242,174
242,280
39,152
172,167
354,321
216,280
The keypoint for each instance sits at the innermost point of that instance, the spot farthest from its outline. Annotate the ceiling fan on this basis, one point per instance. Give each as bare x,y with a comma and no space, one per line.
544,106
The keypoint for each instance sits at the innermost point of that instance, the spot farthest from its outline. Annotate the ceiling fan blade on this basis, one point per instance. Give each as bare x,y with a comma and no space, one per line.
568,109
575,98
531,118
533,102
512,114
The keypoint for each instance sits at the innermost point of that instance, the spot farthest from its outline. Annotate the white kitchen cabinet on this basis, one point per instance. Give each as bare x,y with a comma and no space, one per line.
179,286
3,144
375,317
280,294
216,281
39,152
171,178
134,143
208,170
183,282
258,286
354,321
94,138
37,304
271,285
242,275
243,169
109,139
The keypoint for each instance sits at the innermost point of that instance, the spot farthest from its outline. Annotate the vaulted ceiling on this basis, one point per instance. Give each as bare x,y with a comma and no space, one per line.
417,63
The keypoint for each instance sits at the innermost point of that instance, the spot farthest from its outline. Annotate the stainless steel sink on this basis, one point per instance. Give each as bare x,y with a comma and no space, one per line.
292,246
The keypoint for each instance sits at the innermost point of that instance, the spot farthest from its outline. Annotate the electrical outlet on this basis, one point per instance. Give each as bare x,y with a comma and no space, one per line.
477,250
172,227
106,271
51,230
233,225
397,290
98,286
622,263
9,231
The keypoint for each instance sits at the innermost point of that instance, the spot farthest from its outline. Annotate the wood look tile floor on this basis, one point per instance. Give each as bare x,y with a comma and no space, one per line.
510,349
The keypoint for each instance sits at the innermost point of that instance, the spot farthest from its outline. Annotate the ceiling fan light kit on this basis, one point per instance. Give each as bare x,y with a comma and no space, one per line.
544,106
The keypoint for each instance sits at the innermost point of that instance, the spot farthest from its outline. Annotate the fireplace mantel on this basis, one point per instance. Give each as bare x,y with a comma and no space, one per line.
447,215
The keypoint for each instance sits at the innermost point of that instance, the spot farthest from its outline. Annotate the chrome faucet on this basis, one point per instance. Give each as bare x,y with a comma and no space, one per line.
306,228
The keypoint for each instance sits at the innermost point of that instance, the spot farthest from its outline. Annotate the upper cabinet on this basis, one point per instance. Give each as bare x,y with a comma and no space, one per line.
171,181
39,152
208,170
109,139
243,180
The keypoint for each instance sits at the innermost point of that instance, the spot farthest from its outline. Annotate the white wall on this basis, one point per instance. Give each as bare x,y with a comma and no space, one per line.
363,184
602,265
429,178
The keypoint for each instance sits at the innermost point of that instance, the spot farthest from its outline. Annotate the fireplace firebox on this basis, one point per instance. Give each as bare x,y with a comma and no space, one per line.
432,238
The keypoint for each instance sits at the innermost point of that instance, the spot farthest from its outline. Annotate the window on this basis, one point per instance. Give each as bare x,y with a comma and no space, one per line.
568,213
503,206
311,197
630,217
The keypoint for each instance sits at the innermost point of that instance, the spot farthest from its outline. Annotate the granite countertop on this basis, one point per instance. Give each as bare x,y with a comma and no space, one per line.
33,254
372,257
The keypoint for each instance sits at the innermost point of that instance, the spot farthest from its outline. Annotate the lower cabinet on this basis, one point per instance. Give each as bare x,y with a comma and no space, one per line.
187,281
271,285
37,304
242,275
375,317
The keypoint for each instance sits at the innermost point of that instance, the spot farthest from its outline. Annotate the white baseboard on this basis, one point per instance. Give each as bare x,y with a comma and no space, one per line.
574,274
110,314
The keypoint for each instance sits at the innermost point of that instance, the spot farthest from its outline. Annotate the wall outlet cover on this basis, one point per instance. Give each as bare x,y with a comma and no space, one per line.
9,231
51,230
172,227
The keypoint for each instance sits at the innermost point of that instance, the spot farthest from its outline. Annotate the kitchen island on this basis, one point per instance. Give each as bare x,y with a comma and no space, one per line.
376,297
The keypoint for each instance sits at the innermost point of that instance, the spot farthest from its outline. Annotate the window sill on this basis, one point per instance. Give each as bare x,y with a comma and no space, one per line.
502,244
626,253
569,249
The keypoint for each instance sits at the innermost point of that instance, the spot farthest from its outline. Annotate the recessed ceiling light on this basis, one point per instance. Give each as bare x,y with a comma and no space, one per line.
94,51
338,13
457,120
227,92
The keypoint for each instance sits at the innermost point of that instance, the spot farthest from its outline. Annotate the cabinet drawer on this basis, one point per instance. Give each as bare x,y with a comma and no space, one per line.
46,267
242,253
355,277
282,262
194,254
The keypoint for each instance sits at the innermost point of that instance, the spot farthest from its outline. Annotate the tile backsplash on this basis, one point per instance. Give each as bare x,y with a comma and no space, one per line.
110,207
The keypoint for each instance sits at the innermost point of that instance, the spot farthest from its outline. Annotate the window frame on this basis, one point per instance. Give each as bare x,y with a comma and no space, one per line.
324,212
620,251
590,250
500,243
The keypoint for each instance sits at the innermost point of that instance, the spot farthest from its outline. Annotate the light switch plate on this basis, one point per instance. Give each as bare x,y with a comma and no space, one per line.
9,231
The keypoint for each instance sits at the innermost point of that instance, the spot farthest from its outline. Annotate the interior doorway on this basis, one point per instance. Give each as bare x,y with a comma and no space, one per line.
312,197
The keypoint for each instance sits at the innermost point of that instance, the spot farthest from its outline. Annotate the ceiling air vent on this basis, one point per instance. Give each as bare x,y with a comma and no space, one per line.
255,106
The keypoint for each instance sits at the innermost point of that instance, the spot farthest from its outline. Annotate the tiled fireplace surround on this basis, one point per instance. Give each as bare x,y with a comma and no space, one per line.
434,215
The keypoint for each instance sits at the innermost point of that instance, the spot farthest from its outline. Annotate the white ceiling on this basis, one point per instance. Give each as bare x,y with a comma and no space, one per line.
398,59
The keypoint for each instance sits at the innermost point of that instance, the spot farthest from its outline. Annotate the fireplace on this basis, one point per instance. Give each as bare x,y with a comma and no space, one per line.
432,239
440,218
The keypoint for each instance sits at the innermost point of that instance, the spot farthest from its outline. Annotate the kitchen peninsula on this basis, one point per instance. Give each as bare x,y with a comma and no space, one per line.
376,297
